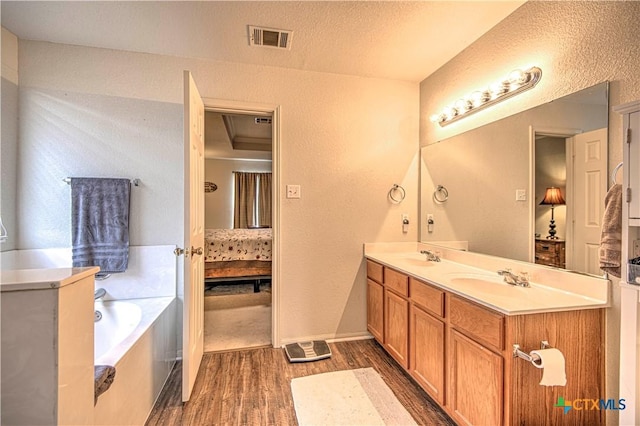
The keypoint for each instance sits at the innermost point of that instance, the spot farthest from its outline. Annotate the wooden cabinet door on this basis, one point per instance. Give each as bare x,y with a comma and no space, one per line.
396,327
427,352
475,387
375,311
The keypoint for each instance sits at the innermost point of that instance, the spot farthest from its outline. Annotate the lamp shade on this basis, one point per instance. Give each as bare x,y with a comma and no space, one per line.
552,196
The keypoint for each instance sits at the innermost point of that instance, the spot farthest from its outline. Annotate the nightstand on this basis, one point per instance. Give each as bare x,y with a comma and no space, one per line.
550,252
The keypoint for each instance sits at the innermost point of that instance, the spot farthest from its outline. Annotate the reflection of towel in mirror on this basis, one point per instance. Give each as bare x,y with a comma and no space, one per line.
103,376
100,223
611,237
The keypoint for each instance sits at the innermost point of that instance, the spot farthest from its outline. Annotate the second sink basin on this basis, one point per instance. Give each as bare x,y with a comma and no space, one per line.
481,282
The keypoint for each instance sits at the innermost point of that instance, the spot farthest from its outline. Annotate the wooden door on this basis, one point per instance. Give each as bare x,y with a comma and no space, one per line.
427,352
396,327
193,307
475,388
375,310
589,189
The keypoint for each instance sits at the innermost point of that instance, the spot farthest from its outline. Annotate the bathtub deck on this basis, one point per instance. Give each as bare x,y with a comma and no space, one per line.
259,391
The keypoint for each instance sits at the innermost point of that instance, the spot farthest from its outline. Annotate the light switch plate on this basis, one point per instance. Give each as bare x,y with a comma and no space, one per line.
521,195
293,191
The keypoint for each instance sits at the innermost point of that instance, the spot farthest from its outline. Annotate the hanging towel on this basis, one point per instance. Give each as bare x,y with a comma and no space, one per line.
100,223
611,237
103,376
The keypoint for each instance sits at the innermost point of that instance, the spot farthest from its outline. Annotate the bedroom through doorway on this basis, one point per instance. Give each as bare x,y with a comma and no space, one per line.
238,229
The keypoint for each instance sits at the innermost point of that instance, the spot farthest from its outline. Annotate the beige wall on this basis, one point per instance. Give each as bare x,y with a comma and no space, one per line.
9,138
576,44
218,205
345,140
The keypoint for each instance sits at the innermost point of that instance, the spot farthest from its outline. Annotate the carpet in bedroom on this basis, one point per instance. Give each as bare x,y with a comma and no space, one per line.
235,321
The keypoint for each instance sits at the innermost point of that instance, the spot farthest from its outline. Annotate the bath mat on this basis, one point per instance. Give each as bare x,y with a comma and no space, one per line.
307,351
349,397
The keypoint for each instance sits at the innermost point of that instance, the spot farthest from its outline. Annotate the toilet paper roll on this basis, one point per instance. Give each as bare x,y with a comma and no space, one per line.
552,364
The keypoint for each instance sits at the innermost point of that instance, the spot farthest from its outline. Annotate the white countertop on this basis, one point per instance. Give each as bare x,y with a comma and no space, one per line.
488,288
38,279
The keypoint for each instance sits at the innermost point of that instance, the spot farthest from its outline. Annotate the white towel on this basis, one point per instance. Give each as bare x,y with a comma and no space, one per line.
611,237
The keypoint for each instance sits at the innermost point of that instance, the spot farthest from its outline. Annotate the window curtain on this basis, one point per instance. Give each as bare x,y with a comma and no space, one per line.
245,199
264,200
252,200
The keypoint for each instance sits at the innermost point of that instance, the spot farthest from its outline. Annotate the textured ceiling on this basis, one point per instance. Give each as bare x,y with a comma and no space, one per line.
389,39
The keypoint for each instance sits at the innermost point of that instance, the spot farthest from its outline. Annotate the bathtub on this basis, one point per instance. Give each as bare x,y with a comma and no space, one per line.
137,333
137,336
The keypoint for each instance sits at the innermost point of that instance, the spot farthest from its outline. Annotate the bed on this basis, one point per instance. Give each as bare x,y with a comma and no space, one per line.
238,254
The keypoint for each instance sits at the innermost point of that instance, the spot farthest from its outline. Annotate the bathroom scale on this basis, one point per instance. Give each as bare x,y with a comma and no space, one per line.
307,351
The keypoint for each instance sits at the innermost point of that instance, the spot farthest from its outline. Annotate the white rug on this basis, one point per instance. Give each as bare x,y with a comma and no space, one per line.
349,397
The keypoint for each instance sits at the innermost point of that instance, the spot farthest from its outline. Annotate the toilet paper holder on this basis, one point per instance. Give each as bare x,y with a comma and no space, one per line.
533,359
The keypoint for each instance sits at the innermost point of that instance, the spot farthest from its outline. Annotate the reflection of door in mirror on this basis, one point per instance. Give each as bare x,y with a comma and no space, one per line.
577,165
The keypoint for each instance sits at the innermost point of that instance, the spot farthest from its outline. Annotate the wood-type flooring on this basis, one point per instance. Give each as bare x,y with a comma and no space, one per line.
253,387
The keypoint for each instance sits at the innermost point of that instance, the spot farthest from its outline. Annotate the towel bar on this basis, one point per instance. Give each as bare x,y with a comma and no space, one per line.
135,182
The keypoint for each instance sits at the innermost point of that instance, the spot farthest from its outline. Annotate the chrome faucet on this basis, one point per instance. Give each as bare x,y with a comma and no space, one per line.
431,256
521,280
99,293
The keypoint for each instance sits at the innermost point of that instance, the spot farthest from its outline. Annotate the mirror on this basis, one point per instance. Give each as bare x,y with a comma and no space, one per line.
493,178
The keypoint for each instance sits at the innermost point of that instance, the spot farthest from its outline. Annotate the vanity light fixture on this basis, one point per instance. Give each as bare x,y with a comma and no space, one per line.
518,81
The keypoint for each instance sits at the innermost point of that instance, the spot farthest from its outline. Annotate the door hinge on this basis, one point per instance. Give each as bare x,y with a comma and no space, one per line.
628,134
628,195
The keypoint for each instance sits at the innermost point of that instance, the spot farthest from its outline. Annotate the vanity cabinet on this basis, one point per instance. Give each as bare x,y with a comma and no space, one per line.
396,315
375,301
475,382
461,353
427,338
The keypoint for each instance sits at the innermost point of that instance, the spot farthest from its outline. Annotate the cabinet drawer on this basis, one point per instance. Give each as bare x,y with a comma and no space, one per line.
477,322
374,271
426,296
542,247
396,281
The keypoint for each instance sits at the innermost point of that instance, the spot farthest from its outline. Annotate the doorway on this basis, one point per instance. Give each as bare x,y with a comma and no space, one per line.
240,308
576,164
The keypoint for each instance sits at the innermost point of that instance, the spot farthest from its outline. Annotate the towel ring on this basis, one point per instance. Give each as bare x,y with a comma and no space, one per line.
615,173
397,188
441,194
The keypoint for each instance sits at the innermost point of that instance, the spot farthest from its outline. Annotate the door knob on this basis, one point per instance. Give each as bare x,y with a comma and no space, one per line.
179,251
197,251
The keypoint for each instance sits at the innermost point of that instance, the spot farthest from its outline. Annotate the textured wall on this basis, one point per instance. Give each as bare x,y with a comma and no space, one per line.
346,140
577,44
218,205
9,138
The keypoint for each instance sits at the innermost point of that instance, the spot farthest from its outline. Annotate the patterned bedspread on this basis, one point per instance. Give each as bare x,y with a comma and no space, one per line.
237,244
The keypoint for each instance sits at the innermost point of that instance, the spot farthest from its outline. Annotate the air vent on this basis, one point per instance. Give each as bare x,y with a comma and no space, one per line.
262,120
270,37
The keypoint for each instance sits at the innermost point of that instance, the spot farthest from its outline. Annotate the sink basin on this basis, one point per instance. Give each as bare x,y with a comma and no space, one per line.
419,262
481,282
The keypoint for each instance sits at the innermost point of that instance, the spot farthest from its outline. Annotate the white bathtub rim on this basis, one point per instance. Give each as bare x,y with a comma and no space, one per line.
152,309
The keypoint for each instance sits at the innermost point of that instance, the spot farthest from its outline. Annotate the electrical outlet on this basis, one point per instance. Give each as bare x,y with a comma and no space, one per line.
293,191
636,248
521,195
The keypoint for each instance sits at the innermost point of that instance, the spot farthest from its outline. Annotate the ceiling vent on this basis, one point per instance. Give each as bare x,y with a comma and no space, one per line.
262,120
270,37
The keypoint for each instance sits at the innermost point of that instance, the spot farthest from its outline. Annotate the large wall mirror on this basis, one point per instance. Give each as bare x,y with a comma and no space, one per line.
483,189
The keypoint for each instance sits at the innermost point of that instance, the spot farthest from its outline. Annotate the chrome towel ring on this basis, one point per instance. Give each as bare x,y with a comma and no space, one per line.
397,193
441,194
